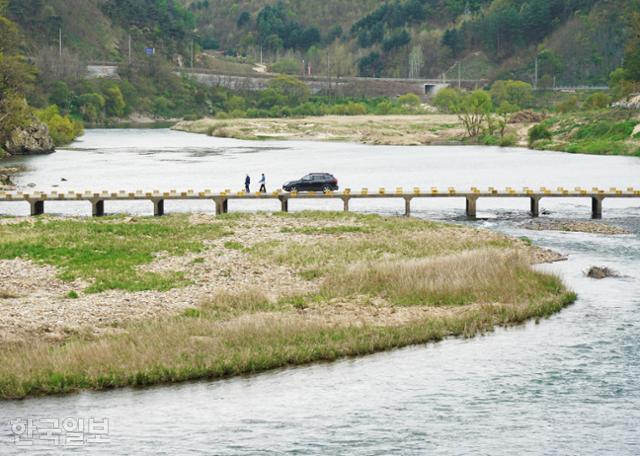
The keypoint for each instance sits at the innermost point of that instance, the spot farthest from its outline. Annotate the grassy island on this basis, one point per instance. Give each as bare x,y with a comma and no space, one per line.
128,301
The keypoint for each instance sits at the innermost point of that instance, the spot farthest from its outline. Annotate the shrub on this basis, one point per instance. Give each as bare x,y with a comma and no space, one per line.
598,100
539,132
514,92
571,104
509,140
446,99
294,90
114,102
409,99
62,129
350,109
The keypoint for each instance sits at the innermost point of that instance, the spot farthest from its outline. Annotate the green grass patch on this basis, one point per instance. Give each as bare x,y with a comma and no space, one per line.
328,230
233,245
108,252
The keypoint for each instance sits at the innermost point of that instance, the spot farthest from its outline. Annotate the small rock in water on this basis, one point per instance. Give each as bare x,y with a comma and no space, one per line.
62,179
597,272
31,185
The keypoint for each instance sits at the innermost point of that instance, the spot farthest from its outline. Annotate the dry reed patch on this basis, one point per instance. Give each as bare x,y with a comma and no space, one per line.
176,349
481,276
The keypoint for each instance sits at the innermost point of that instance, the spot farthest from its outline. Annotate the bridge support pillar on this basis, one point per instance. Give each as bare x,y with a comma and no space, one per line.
37,207
97,208
596,207
158,207
535,206
345,203
407,207
472,206
284,203
222,205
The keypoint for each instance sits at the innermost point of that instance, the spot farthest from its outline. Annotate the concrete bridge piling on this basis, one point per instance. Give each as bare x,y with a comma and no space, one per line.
36,200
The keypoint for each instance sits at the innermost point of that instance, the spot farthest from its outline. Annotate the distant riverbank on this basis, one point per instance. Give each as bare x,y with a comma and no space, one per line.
401,130
597,133
192,296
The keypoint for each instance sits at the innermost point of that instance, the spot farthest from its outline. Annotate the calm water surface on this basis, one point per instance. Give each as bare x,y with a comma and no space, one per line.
568,385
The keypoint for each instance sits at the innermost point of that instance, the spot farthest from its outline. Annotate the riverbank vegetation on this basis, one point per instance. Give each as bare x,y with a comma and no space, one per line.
21,128
261,291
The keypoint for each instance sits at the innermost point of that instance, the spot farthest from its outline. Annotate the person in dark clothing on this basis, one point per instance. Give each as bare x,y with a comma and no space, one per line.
263,181
247,182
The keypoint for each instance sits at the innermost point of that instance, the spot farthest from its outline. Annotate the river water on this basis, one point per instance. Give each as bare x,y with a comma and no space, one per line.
568,385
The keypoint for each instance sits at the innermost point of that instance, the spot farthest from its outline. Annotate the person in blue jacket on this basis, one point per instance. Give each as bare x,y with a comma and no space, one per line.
247,182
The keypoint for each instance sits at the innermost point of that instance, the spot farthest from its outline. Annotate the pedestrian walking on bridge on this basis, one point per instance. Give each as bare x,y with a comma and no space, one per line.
247,183
263,182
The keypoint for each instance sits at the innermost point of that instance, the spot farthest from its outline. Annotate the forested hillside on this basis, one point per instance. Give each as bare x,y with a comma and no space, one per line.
576,41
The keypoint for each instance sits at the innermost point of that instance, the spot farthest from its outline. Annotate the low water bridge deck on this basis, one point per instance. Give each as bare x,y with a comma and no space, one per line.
37,200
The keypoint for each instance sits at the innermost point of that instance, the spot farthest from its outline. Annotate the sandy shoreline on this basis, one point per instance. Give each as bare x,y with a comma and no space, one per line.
409,130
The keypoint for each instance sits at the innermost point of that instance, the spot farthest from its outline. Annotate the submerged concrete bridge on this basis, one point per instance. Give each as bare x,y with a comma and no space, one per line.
36,200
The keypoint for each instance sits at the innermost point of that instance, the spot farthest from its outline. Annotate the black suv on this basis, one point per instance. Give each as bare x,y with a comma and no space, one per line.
314,182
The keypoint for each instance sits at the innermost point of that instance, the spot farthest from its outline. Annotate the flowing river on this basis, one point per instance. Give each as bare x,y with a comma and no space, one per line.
567,385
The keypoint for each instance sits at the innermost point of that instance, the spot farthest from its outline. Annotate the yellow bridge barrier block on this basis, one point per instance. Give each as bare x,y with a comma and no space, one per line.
166,194
434,190
381,190
399,190
416,190
618,192
613,189
364,191
241,193
630,189
637,192
132,195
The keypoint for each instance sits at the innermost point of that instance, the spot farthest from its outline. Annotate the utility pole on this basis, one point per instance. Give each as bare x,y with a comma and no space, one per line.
193,48
459,75
329,71
60,42
535,78
129,48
